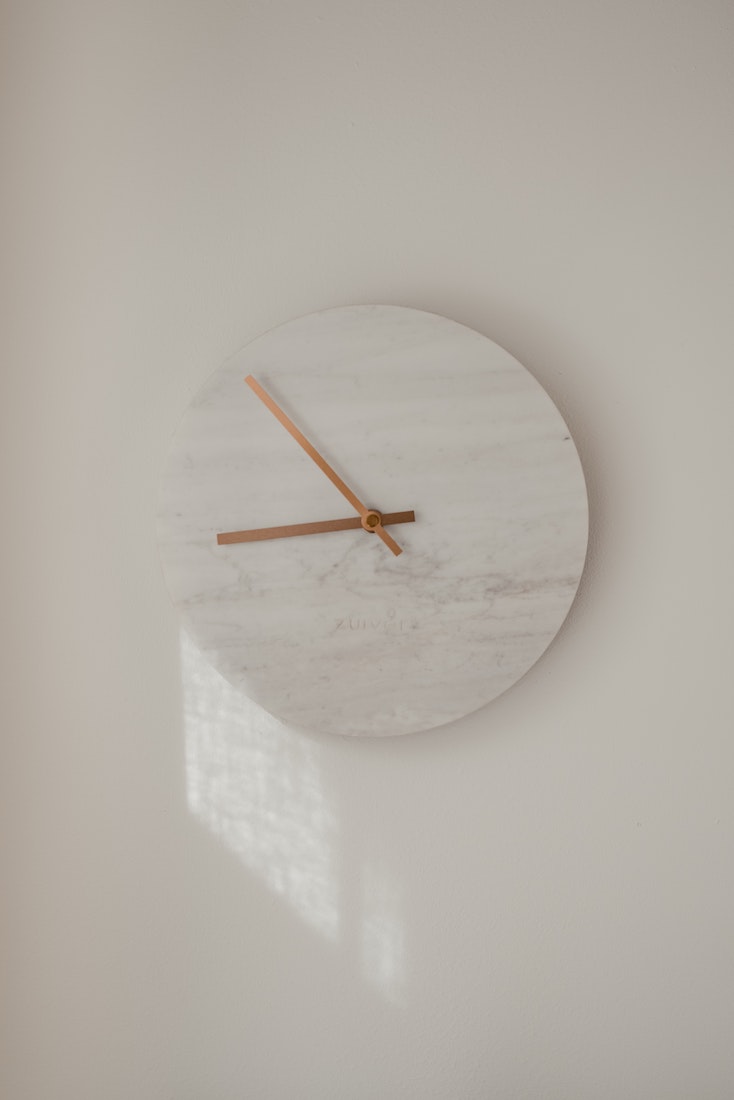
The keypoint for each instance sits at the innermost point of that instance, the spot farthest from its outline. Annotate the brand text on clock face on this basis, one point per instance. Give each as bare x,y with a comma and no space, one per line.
387,625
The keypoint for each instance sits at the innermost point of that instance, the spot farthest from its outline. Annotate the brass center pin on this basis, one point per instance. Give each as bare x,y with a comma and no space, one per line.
371,520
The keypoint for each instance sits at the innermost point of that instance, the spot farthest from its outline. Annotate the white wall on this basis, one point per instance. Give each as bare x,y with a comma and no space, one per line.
536,901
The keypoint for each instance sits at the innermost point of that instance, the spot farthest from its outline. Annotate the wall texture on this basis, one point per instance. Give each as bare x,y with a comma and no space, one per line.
535,901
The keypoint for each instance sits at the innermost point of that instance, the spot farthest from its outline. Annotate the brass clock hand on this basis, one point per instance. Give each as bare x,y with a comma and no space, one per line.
367,514
226,538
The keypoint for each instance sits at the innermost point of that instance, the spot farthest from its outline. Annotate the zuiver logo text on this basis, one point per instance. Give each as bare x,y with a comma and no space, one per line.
387,625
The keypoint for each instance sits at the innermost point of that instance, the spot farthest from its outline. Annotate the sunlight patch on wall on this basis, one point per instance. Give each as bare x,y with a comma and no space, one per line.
260,792
383,939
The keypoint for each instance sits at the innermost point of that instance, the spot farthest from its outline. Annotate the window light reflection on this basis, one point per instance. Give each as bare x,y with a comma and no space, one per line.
260,791
383,949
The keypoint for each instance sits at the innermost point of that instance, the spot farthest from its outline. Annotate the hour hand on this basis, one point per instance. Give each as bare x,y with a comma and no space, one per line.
259,534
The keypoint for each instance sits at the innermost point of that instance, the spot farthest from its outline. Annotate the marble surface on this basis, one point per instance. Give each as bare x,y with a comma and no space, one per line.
332,632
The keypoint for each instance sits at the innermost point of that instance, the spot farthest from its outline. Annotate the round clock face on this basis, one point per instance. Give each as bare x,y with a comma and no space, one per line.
381,624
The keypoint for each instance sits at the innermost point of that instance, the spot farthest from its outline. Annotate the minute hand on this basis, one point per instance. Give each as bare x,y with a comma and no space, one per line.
320,461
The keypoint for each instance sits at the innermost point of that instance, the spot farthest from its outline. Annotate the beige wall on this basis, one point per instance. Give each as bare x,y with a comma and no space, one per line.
536,901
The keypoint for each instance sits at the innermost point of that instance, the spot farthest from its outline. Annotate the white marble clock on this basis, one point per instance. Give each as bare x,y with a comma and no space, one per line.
338,630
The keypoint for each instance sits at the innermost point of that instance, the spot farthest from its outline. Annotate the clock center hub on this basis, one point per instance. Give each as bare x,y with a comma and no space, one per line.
371,520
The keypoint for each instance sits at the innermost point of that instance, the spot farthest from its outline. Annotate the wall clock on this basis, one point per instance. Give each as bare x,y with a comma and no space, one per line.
373,520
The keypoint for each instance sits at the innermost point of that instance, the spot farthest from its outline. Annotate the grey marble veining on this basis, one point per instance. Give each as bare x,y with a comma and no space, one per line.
414,411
